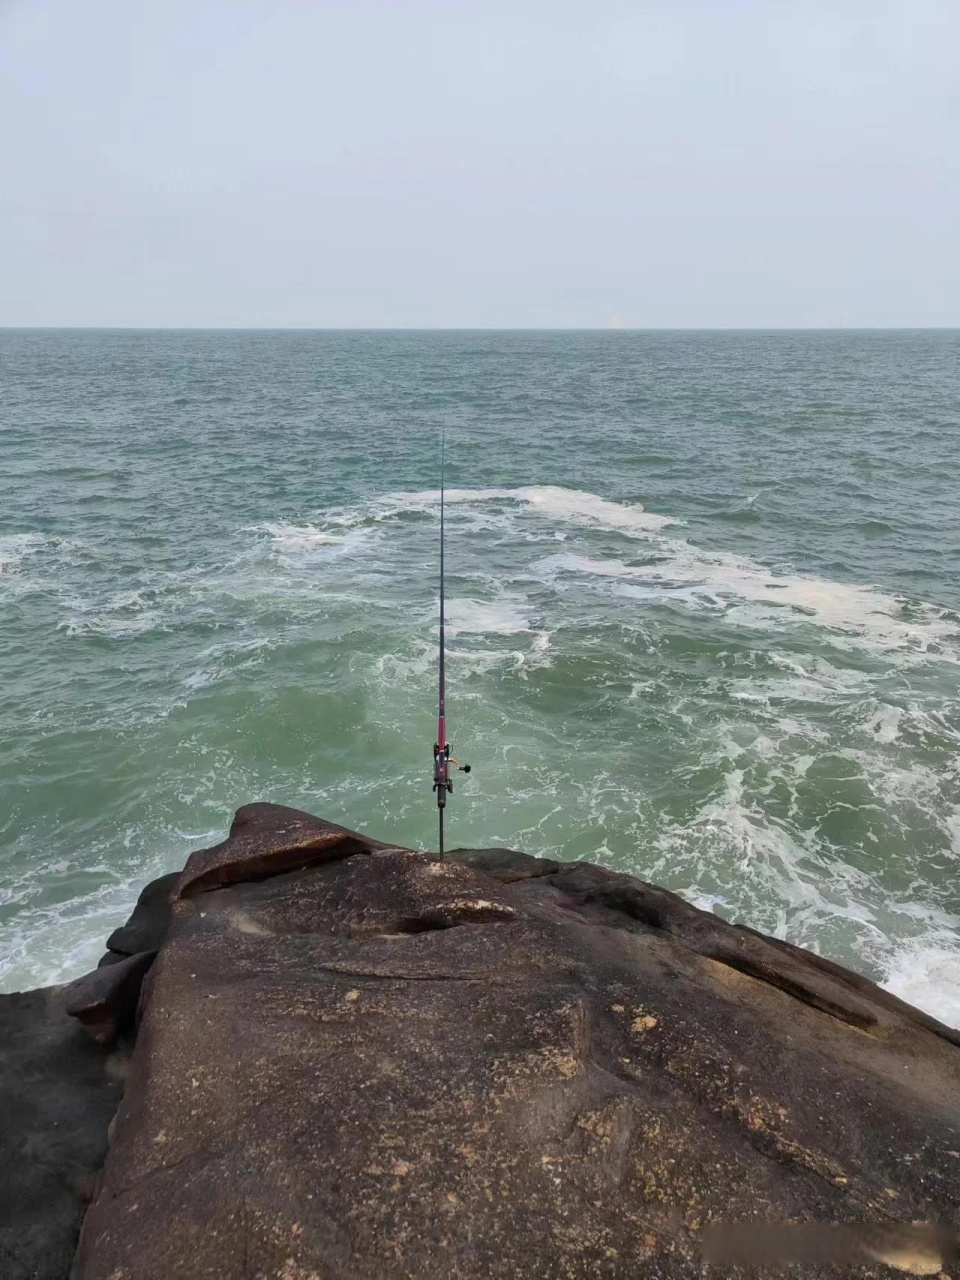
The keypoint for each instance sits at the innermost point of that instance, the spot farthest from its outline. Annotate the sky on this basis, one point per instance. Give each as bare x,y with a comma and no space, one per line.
475,163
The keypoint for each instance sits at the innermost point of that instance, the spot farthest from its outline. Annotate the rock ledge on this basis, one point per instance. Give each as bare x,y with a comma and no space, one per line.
355,1061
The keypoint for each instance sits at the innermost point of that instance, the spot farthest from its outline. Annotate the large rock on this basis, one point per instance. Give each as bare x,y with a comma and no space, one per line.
354,1061
58,1094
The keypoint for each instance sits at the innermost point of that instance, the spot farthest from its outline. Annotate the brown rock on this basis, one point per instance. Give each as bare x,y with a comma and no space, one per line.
266,840
379,1065
105,1001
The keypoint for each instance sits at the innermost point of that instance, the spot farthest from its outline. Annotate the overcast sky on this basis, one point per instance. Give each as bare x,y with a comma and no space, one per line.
480,162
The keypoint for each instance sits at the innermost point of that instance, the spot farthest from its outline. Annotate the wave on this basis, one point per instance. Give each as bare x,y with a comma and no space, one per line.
14,549
884,724
555,575
753,596
926,973
298,546
573,505
733,857
227,659
293,537
53,943
20,552
120,616
748,593
477,617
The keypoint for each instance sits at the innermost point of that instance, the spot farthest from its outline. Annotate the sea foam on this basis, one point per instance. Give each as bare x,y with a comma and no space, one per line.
749,593
926,972
14,548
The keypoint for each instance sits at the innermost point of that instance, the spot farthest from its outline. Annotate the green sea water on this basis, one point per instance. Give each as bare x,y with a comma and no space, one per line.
704,594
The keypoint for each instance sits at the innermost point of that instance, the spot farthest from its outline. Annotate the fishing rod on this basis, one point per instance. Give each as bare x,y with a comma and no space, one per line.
442,759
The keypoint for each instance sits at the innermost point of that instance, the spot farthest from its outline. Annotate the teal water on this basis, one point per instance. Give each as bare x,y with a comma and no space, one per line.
704,601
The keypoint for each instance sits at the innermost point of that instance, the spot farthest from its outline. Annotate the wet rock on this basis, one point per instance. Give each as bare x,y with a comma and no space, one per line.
147,926
105,1001
58,1093
356,1061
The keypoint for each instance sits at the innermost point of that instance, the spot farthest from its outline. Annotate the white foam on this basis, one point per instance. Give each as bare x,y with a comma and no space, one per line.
952,824
541,643
788,881
47,944
123,614
748,593
111,627
478,617
572,505
926,973
760,847
587,508
200,680
884,725
899,786
479,662
820,684
407,671
298,537
753,596
802,729
706,901
14,548
227,647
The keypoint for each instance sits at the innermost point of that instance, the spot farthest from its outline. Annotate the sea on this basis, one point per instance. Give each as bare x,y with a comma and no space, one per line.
704,616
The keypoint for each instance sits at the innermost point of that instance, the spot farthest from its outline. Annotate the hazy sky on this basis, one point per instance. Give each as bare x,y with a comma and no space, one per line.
480,162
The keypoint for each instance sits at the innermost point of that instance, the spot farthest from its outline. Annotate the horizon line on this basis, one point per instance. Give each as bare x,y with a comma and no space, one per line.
254,328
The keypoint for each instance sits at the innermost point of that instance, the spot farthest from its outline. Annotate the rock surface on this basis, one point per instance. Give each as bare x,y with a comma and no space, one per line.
354,1061
105,1001
58,1094
147,926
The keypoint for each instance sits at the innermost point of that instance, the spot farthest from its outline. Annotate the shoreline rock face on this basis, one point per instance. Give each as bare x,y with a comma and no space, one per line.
58,1094
354,1061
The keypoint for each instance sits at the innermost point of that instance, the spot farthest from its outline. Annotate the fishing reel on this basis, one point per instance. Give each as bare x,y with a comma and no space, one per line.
442,761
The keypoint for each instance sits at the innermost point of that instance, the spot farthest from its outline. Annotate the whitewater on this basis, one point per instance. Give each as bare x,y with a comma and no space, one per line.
702,599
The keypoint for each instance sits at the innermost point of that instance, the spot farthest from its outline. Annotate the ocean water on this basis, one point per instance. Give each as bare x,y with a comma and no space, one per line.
704,594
